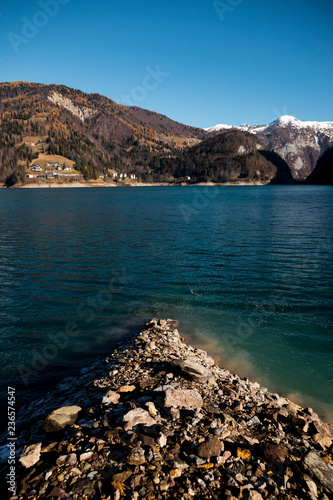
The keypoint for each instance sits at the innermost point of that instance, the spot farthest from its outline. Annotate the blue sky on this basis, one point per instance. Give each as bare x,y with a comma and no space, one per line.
200,62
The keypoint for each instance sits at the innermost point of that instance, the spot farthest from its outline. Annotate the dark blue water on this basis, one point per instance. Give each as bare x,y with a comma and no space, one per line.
246,270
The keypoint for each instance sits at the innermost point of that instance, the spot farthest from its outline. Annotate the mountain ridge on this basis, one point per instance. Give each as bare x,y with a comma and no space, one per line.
101,138
300,144
95,132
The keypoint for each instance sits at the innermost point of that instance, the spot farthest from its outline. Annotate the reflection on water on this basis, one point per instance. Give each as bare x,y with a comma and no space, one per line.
250,273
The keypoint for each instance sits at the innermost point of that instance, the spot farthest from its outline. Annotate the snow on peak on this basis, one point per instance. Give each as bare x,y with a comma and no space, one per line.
287,120
220,126
283,121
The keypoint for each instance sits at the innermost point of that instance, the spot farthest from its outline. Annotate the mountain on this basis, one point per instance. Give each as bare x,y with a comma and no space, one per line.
230,157
323,173
97,134
92,136
299,143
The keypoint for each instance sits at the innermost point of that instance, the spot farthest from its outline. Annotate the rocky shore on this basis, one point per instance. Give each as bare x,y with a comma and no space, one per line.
159,420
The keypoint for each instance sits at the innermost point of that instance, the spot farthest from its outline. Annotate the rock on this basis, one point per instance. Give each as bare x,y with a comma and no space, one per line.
299,422
316,466
58,419
213,447
274,452
127,388
148,441
61,460
321,433
185,398
30,455
58,493
313,415
311,485
244,454
80,485
175,473
253,421
86,456
121,477
254,495
151,408
136,417
75,471
111,397
71,459
193,370
136,456
162,440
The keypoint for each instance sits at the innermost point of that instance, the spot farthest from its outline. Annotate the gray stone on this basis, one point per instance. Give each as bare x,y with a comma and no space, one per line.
58,419
193,370
136,417
253,421
316,466
185,398
30,455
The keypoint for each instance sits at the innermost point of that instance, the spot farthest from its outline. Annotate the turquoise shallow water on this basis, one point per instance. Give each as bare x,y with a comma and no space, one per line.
247,271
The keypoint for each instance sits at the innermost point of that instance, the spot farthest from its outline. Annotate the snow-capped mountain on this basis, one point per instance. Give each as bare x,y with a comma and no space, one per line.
299,143
244,128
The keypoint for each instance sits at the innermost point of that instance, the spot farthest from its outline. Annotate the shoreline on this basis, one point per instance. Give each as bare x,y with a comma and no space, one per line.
142,184
158,418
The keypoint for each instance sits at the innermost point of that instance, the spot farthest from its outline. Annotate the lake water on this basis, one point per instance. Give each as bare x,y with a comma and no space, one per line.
247,272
